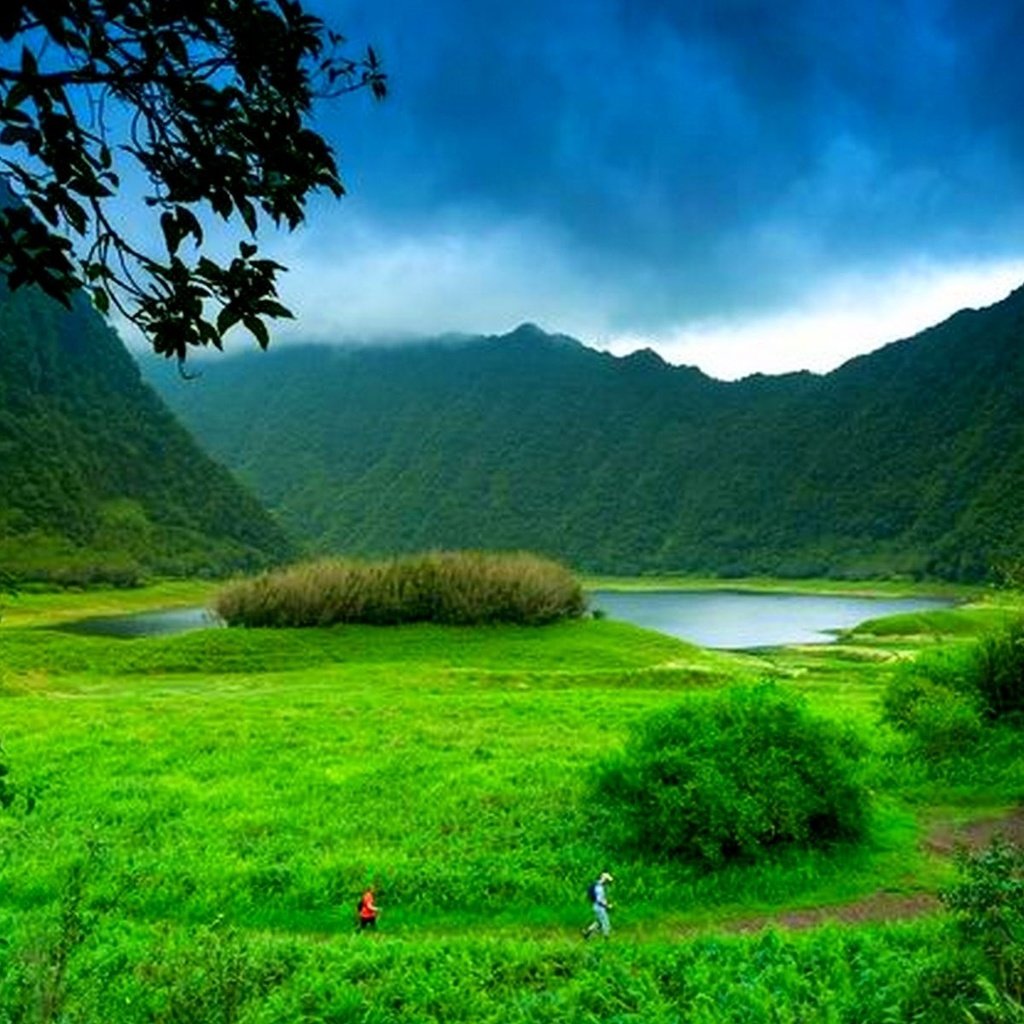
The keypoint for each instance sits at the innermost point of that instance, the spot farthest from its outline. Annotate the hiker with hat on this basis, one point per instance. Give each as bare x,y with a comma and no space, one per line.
598,896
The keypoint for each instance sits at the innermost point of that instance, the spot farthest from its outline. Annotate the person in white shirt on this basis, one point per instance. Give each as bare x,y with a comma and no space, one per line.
599,900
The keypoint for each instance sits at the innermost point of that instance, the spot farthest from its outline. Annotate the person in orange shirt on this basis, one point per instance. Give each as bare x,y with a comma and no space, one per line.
368,909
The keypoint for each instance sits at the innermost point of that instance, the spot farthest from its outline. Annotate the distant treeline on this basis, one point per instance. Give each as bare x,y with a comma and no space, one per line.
908,461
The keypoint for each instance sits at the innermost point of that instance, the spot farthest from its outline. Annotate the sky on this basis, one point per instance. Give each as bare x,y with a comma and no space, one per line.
742,185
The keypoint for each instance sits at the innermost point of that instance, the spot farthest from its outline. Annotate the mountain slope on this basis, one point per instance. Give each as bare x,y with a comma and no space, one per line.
908,460
99,481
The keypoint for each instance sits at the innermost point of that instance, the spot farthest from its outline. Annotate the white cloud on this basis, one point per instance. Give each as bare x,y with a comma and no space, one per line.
350,279
849,316
476,278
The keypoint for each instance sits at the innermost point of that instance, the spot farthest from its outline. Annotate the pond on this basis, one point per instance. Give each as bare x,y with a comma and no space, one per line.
731,620
727,620
158,623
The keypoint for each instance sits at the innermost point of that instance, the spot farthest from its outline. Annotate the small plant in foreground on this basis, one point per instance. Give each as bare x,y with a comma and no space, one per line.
454,588
988,905
6,789
732,774
14,797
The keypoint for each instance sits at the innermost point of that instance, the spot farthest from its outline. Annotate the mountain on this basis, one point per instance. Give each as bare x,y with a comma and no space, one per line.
909,460
98,481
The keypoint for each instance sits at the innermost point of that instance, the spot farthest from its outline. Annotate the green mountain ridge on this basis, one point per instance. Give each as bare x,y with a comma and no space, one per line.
907,460
98,481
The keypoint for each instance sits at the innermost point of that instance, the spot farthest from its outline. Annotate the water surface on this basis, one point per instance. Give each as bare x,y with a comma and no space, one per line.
730,620
158,623
727,620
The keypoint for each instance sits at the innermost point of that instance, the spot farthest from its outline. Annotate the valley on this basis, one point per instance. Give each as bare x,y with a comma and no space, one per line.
207,806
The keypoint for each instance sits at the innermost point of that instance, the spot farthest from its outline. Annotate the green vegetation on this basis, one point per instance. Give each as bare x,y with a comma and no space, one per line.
100,483
631,466
734,774
451,587
6,788
941,723
988,903
941,622
218,973
207,807
997,671
944,698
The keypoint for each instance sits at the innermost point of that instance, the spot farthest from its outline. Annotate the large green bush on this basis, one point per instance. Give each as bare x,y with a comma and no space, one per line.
457,588
731,774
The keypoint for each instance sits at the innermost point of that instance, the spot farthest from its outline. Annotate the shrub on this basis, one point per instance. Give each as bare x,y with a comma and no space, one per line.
998,670
458,588
732,774
944,725
945,984
987,902
941,722
941,698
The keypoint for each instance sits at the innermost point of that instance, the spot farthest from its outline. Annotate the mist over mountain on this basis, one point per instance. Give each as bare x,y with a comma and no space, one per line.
98,481
905,461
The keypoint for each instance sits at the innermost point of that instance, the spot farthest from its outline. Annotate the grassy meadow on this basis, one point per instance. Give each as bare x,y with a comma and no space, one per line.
197,815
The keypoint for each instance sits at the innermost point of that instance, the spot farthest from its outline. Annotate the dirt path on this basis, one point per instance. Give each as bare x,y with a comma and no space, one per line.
944,838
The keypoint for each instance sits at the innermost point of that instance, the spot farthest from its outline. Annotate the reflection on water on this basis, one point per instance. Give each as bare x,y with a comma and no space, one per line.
735,621
161,623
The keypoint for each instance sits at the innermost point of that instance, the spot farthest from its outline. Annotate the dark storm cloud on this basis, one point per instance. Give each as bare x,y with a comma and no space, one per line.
692,154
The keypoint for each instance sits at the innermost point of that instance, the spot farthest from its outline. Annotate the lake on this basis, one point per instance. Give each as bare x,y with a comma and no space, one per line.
158,623
730,620
727,620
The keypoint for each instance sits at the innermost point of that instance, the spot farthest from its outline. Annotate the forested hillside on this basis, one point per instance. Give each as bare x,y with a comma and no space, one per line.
98,481
906,461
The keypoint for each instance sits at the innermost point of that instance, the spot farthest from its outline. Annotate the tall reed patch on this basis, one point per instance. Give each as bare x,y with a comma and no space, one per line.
454,588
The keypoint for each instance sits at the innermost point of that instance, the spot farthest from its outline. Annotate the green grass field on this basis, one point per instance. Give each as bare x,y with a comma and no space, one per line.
207,808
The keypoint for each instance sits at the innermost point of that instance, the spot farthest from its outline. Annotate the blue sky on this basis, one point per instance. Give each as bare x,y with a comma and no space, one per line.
741,184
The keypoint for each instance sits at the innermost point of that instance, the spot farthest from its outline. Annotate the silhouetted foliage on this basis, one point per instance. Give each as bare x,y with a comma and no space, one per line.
212,100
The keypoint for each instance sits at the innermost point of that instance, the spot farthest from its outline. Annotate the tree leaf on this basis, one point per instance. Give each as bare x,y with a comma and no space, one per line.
169,226
258,329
